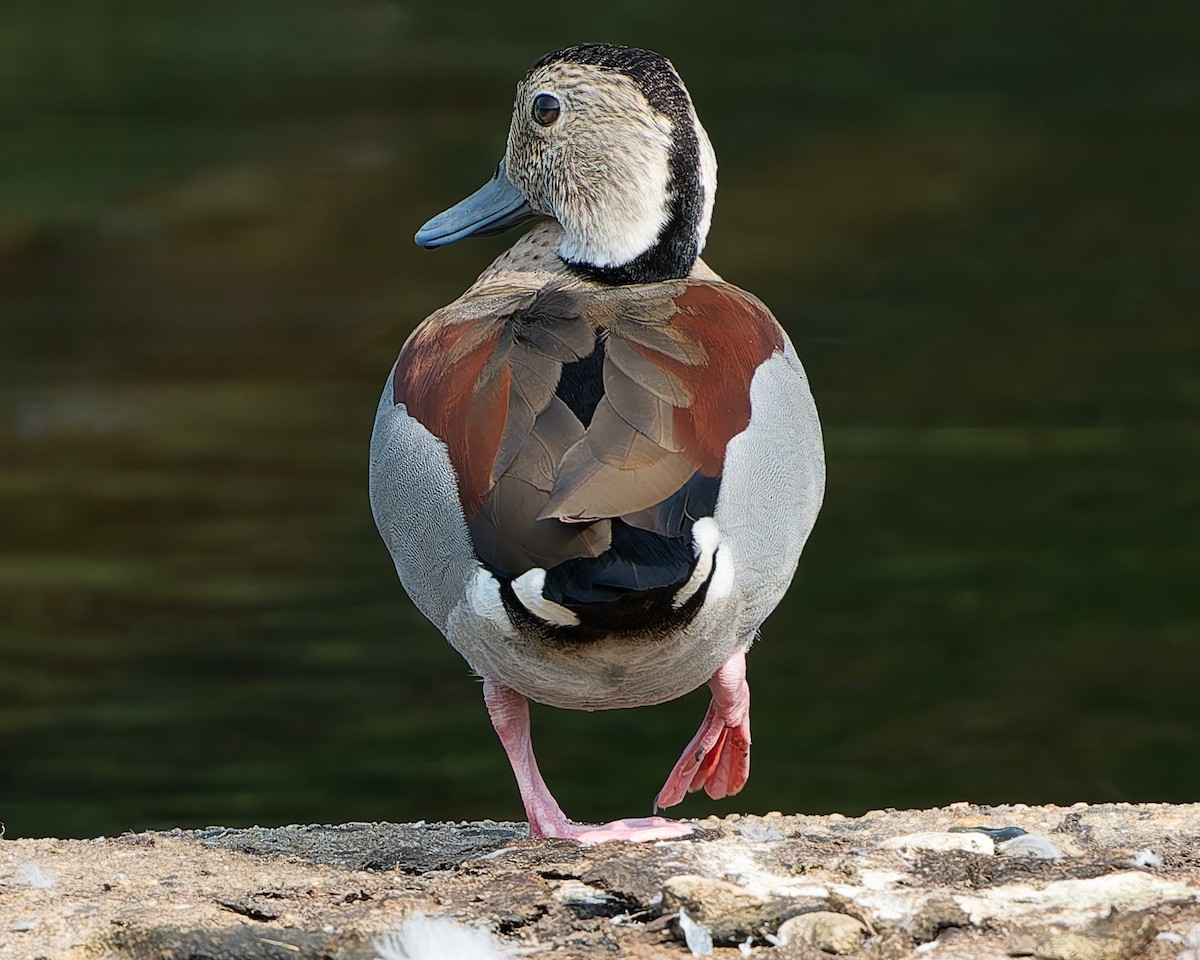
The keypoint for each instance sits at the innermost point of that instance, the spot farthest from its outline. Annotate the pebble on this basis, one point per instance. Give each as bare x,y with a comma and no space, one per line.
1031,845
759,832
1115,936
23,927
1077,946
932,840
935,915
584,900
32,875
730,912
825,930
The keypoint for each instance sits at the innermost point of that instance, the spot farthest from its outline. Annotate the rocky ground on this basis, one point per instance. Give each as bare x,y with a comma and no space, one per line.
1080,883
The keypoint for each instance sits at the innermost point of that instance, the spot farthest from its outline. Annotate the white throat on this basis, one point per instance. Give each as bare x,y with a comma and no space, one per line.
616,209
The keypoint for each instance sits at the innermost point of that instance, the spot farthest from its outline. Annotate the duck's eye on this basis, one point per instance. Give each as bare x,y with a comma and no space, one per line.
545,109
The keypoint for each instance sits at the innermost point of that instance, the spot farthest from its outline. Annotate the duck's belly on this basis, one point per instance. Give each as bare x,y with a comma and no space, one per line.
601,674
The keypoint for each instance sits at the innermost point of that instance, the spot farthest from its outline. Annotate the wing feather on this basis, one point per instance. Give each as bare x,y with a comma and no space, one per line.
541,482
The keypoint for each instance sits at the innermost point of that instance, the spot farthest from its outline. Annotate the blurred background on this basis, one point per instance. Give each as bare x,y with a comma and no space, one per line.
979,222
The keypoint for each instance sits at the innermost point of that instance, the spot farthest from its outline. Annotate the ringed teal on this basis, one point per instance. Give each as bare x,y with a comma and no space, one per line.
596,469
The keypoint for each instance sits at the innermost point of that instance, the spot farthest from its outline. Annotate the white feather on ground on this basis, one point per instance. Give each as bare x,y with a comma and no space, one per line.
696,935
437,938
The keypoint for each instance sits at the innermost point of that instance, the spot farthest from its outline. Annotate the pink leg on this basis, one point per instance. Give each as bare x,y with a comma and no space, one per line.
510,716
718,758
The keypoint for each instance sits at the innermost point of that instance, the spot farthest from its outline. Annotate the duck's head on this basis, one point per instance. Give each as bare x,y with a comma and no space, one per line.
604,139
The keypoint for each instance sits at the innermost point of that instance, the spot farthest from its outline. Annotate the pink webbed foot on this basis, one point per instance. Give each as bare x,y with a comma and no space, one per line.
718,758
636,830
510,716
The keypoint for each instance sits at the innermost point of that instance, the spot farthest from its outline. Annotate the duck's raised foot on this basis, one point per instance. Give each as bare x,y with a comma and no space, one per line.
718,758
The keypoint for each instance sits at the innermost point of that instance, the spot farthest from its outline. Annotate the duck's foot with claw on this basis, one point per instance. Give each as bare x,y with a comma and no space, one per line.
718,758
635,830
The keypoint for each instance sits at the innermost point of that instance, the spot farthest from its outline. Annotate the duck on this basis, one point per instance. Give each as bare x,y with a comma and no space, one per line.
596,469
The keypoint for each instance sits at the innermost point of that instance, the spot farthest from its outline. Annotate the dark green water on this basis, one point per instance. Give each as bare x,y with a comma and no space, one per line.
980,223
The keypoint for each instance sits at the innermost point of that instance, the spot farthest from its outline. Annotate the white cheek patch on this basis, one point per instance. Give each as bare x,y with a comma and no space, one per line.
483,593
617,157
706,537
621,211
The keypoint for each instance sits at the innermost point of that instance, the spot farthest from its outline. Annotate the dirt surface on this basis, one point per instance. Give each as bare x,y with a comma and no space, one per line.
1104,882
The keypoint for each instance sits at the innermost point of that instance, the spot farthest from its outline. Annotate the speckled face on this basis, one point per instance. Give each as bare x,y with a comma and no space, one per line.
589,148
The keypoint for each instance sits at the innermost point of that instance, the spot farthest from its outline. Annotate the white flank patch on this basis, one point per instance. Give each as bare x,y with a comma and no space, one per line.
483,592
528,588
721,584
706,537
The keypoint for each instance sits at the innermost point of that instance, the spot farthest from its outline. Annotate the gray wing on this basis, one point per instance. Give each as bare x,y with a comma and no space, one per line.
414,498
773,484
